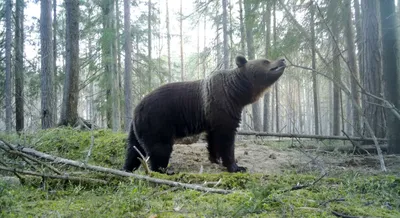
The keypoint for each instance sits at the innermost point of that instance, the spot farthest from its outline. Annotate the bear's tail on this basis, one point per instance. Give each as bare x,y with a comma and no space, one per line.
132,161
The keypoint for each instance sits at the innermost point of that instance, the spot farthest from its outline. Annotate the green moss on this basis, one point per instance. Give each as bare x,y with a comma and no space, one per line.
256,195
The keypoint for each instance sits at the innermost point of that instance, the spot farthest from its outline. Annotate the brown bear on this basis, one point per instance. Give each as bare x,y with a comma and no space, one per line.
212,105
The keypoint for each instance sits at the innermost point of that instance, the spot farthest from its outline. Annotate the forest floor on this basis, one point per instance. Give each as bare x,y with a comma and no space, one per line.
285,178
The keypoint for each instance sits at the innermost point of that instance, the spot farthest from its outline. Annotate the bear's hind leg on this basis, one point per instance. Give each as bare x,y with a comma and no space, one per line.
131,160
159,157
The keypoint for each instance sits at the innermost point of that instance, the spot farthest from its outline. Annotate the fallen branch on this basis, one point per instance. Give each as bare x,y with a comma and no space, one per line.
298,187
64,177
290,135
343,215
56,159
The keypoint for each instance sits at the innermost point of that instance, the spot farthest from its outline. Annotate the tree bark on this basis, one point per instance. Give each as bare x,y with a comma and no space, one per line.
8,11
267,28
69,109
359,36
390,69
128,65
277,128
55,86
242,51
225,33
314,74
249,21
46,72
168,42
19,65
371,55
116,120
332,15
181,37
352,61
149,47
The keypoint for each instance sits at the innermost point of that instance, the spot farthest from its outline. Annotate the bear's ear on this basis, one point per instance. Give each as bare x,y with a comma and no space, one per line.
240,61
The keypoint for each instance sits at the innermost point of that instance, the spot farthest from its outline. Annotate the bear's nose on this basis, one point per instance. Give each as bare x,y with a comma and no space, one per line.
282,60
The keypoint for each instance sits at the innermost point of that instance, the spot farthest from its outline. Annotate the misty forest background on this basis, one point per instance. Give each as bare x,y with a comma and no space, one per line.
91,61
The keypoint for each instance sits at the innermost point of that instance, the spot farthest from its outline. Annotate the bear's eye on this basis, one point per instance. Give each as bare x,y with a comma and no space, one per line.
266,62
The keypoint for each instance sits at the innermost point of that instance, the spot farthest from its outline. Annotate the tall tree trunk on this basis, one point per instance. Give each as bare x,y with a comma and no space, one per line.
249,21
225,33
277,129
69,109
168,42
359,38
128,65
371,55
149,47
391,72
300,105
314,74
116,120
333,14
117,43
267,28
46,52
204,48
106,45
8,11
355,76
242,51
181,37
19,65
55,87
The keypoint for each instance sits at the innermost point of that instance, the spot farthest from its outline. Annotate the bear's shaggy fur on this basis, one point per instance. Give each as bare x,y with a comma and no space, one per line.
212,105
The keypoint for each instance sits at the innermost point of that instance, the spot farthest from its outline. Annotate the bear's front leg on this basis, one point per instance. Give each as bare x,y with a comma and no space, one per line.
226,147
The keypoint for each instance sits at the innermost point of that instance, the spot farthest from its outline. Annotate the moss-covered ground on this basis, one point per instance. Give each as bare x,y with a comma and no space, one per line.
351,192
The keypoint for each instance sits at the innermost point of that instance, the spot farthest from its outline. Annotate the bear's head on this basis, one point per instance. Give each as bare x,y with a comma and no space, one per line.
261,73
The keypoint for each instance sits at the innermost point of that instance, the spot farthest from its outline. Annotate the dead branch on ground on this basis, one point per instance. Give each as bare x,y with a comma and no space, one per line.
321,137
60,160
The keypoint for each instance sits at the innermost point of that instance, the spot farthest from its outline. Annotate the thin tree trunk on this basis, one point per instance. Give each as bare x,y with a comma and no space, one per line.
168,42
8,11
116,120
267,28
69,109
117,41
204,48
242,51
354,77
225,33
256,112
391,72
277,129
149,47
19,65
333,14
314,74
55,100
359,38
181,37
300,105
371,55
46,52
128,66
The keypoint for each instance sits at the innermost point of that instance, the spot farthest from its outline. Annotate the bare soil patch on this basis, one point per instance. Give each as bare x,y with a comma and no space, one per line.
258,158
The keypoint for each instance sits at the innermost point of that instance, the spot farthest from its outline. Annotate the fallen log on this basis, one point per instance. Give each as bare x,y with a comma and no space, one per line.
78,164
290,135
